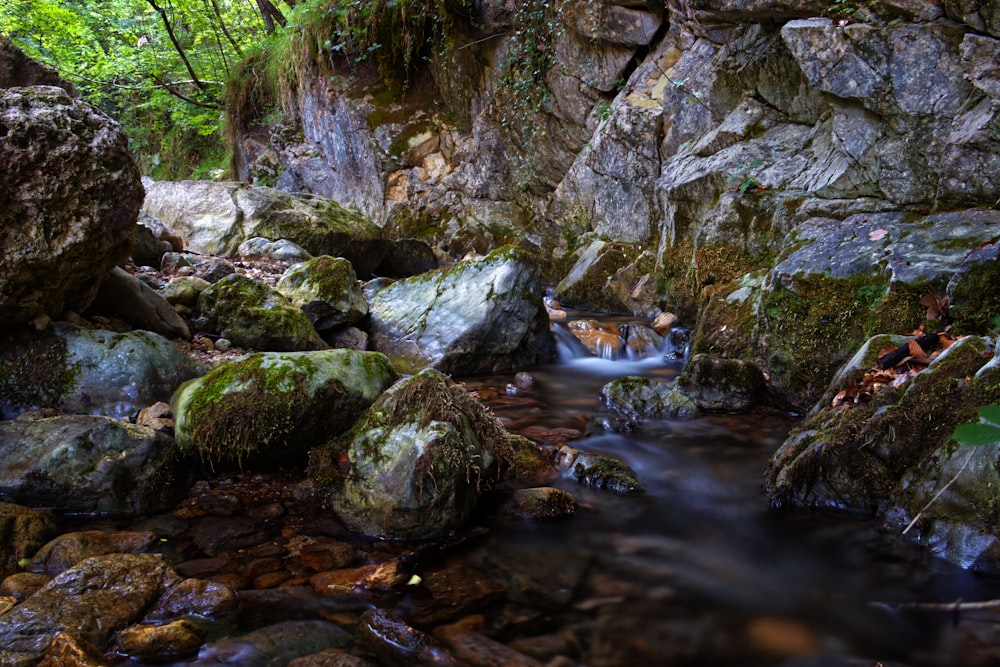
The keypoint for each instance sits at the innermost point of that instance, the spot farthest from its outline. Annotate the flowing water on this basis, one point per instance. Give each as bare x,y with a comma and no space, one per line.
699,570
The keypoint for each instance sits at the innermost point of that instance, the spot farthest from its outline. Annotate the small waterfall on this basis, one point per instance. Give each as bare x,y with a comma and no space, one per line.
636,342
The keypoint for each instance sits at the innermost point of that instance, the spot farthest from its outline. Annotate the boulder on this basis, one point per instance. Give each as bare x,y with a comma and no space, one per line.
715,384
276,644
600,472
89,371
889,453
68,549
415,465
271,407
70,193
90,602
326,289
216,218
478,316
82,463
125,296
280,250
252,315
638,399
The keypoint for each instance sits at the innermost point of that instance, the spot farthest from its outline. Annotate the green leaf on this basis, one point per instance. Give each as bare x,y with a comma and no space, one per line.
976,434
990,413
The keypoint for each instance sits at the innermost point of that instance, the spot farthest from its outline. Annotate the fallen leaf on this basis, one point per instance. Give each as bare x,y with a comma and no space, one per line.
877,234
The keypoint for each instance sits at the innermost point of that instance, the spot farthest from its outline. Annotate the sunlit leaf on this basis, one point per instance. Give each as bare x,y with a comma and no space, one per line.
976,434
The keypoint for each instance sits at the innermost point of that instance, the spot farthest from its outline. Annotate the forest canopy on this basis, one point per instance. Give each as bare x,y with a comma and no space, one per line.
158,66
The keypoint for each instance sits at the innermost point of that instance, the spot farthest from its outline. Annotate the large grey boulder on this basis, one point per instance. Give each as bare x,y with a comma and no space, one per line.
415,465
125,296
216,218
271,407
89,371
478,316
82,463
70,193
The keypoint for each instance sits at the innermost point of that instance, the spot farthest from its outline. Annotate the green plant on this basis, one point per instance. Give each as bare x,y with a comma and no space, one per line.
747,183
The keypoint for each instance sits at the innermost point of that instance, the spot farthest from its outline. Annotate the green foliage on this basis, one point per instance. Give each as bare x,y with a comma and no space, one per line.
986,432
165,92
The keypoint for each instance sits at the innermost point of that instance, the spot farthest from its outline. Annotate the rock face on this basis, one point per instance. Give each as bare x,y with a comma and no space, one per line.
88,371
69,198
270,407
80,463
478,316
416,463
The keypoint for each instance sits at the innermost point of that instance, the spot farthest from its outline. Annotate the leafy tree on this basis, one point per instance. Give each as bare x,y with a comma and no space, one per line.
158,66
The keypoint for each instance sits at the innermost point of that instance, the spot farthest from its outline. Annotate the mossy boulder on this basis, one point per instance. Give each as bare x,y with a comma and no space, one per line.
596,280
415,465
888,456
252,315
326,289
89,371
269,408
477,316
600,472
639,399
717,384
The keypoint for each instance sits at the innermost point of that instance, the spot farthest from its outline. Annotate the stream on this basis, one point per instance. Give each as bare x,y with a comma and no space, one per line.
698,570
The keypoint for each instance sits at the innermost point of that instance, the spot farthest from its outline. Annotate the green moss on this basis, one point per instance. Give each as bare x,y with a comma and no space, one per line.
34,372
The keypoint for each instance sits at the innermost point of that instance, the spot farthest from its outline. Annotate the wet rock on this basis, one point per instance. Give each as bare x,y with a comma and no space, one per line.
331,658
281,250
531,466
68,172
273,406
664,322
89,371
601,472
158,416
452,591
69,549
326,289
638,398
538,504
23,585
290,602
252,315
397,644
175,640
69,651
601,339
476,316
194,597
478,650
364,581
276,644
22,532
79,463
589,284
125,296
721,385
415,465
91,601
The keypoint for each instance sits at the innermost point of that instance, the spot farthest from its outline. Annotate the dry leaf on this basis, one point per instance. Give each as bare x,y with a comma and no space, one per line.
877,234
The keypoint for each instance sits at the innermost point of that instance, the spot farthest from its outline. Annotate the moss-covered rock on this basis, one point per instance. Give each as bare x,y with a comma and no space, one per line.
600,472
638,399
270,408
415,465
538,503
891,453
326,289
254,316
721,385
89,371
